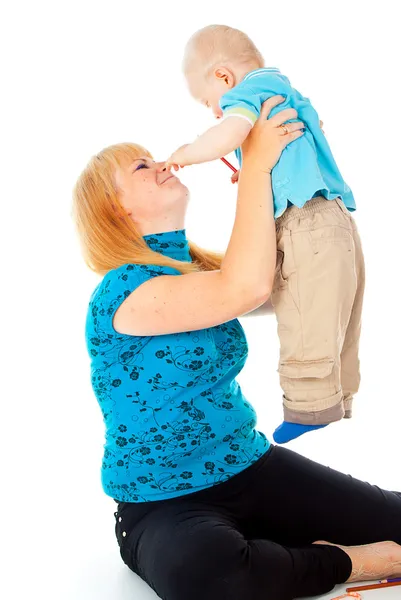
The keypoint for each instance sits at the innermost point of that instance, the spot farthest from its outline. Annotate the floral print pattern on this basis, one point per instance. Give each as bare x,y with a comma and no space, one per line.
175,417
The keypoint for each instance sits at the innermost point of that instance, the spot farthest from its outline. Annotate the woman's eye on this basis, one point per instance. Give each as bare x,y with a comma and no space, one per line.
142,166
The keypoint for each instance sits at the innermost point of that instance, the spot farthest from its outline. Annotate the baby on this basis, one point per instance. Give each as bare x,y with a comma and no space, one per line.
319,283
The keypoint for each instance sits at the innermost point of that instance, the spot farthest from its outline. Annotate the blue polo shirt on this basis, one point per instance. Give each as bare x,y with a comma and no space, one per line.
176,420
306,167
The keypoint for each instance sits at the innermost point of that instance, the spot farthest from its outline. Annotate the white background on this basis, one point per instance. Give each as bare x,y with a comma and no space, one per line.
77,76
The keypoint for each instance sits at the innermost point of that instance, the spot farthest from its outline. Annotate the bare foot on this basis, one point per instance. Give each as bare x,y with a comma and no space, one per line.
373,561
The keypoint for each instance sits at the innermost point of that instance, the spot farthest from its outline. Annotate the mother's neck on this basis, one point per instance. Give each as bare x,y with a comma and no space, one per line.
161,225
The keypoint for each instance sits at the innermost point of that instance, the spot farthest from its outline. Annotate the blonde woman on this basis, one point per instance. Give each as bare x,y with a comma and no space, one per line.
207,507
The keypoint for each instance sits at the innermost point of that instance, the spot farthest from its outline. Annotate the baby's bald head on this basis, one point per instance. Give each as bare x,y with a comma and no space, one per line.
219,44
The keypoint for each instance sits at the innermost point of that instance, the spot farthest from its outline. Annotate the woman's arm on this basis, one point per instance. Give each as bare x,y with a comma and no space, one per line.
264,309
171,303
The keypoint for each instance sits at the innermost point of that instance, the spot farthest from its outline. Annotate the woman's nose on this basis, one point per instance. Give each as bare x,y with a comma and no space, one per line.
161,166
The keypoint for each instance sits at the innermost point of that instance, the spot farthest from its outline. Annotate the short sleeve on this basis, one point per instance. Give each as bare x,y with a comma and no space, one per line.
242,101
245,99
116,286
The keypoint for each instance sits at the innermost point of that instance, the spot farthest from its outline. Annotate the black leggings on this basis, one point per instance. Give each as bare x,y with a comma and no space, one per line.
250,538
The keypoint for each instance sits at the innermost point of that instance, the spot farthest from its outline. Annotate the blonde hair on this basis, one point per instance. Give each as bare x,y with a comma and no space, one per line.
219,43
108,237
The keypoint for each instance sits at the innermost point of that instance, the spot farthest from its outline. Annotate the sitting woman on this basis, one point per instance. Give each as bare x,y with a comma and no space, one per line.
207,507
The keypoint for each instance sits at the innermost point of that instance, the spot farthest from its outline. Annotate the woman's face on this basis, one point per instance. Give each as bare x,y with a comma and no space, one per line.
154,199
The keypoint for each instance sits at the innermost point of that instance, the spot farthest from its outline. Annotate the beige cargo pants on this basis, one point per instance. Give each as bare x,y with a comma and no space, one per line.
317,297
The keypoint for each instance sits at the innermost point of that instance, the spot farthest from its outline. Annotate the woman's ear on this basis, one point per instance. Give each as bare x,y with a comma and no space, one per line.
117,211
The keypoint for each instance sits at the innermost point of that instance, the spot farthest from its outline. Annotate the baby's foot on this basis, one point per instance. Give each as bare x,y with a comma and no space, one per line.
372,561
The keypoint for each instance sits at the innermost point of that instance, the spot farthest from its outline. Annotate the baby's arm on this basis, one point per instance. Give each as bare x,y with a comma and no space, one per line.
214,143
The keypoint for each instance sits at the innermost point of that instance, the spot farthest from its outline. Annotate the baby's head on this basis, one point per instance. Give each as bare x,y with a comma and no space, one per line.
216,58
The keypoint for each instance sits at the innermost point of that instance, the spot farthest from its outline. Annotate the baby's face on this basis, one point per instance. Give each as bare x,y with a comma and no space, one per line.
208,91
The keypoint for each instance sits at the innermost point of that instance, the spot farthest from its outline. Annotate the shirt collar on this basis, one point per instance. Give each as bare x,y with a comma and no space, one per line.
262,70
170,243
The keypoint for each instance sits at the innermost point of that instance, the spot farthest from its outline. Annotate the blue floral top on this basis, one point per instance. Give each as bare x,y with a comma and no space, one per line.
176,419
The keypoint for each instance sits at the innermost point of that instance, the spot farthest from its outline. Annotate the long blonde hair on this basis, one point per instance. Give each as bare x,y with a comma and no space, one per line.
108,237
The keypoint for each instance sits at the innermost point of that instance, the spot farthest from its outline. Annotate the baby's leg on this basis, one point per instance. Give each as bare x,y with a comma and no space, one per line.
313,297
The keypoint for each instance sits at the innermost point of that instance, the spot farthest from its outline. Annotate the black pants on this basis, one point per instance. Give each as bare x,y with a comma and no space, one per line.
250,537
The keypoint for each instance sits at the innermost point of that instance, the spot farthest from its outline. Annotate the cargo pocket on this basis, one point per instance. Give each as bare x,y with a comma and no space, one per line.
311,393
284,293
307,369
279,281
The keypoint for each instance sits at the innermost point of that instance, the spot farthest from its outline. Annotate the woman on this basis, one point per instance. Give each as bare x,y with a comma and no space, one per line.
207,508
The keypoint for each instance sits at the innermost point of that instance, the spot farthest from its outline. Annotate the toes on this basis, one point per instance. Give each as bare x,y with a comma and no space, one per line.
323,542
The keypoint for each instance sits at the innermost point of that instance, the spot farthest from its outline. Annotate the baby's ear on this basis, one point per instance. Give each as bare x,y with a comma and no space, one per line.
224,74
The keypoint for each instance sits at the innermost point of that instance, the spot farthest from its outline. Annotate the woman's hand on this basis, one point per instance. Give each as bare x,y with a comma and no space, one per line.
268,138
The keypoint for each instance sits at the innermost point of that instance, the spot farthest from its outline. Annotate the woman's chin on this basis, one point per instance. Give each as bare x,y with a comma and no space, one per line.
178,186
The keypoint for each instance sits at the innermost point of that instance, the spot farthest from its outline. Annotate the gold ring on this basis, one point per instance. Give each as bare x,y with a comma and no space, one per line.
285,129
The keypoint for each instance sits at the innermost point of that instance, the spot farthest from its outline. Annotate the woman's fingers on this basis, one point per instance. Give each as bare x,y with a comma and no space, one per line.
291,137
269,104
266,141
290,127
284,115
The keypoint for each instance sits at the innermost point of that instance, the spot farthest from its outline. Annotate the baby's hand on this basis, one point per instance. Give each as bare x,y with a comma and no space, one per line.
178,159
235,176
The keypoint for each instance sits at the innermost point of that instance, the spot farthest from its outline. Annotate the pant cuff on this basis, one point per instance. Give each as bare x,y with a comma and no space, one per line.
348,400
317,417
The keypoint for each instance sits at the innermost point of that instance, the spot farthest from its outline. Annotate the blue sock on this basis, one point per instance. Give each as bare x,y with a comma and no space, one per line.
290,431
